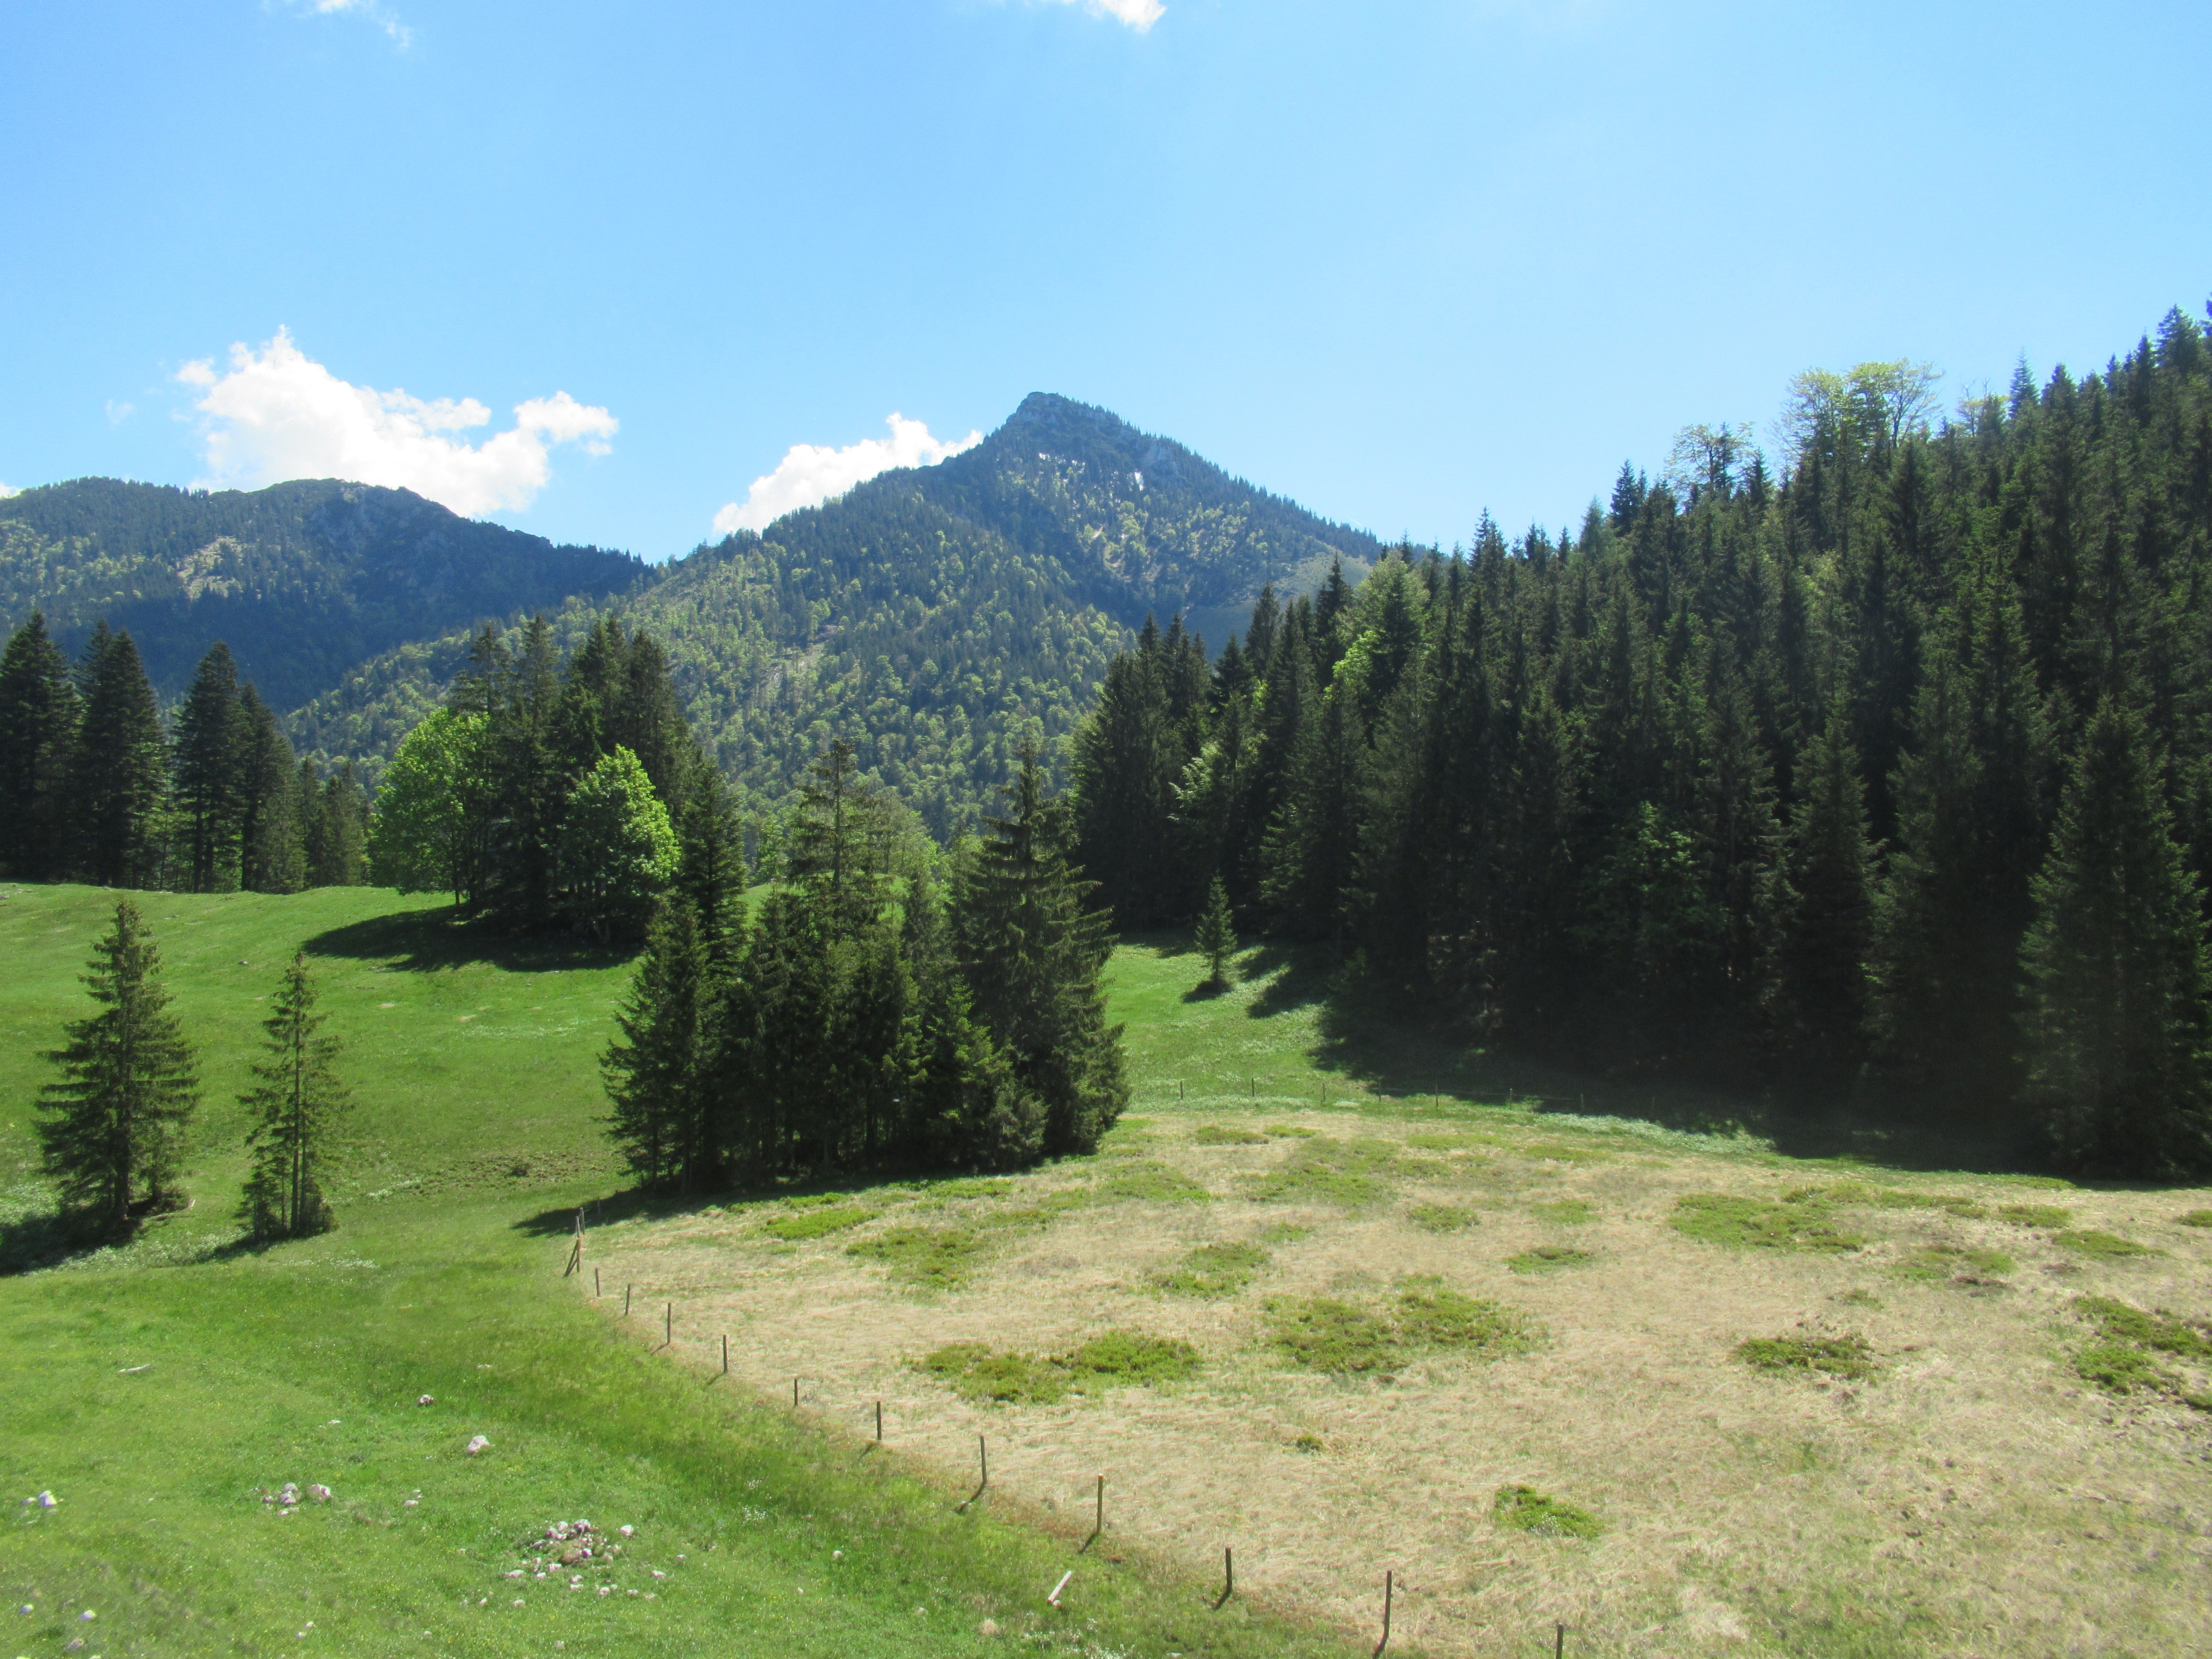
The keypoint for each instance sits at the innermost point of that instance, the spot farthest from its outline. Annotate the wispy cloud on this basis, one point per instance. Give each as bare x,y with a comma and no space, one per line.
371,11
6,490
810,474
1139,14
119,412
277,414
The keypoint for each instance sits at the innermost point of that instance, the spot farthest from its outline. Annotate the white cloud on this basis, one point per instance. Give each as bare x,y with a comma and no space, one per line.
276,414
6,490
118,413
810,474
1139,14
369,9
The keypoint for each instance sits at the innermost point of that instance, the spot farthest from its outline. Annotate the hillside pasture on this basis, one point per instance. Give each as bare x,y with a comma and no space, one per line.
1804,1408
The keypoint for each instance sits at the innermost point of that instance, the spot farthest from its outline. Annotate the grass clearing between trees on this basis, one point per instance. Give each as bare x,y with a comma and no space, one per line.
1990,1494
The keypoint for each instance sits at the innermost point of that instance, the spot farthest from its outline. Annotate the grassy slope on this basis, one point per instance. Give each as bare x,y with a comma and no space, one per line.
477,1101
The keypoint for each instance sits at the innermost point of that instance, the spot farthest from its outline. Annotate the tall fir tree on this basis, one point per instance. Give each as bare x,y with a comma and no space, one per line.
209,776
658,1069
1033,955
111,1129
2119,1043
1820,985
37,738
295,1106
122,783
710,866
272,848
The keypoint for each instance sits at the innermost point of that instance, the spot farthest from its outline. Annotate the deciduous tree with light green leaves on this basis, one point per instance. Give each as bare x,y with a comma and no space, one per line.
424,836
617,849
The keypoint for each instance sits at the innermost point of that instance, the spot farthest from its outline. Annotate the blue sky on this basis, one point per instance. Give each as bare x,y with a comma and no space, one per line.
1399,261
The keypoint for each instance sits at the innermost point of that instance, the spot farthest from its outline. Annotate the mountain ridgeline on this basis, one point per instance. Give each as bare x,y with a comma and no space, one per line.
933,617
304,581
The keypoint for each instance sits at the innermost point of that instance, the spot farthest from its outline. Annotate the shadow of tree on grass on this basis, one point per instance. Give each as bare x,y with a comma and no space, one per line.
425,941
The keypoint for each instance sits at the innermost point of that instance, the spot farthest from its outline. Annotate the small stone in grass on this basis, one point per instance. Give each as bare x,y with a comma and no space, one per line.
477,1444
628,1531
988,1627
320,1493
428,1400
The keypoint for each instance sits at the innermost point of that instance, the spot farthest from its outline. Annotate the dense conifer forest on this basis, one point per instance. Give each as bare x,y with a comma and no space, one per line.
1885,771
95,786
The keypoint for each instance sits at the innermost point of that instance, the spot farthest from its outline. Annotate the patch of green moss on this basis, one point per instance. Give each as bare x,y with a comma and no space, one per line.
1214,1135
977,1373
2119,1322
1220,1269
1429,1141
2122,1368
1564,1213
1151,1183
1933,1262
1291,1132
1548,1258
1430,1315
1834,1356
1440,1217
2195,1218
1350,1173
1523,1509
1131,1359
939,1258
1282,1232
1324,1335
2108,1247
1802,1221
815,1223
1859,1297
1117,1359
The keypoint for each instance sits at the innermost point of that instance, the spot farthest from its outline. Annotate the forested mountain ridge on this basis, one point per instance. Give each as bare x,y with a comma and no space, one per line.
931,617
305,580
1891,763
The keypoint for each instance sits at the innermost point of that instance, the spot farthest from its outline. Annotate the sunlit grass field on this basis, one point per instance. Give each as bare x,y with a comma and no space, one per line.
162,1393
159,1392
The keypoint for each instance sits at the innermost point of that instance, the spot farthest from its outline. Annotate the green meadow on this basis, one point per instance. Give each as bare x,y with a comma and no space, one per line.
160,1391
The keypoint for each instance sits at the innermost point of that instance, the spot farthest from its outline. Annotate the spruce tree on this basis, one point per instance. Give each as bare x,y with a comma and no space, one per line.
338,850
122,783
208,777
658,1069
837,841
710,864
272,851
37,738
1216,937
2117,1028
295,1105
113,1127
1033,956
1125,763
1820,971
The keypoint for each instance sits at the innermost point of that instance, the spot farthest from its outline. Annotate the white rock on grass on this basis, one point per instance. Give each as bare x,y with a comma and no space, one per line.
428,1400
477,1444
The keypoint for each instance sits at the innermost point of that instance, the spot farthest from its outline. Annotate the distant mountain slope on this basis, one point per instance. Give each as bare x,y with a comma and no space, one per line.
930,615
306,580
